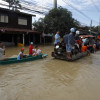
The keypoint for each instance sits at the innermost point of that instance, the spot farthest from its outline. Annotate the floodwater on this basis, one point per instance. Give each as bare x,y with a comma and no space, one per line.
50,79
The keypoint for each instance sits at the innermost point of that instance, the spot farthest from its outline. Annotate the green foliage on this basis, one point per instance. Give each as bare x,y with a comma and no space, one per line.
57,19
95,29
39,25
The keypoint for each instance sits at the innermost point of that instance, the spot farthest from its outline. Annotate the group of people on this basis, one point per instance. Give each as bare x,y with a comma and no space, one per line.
32,51
73,40
90,44
69,40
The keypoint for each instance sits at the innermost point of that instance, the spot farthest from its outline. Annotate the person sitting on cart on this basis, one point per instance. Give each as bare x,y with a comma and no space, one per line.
84,49
63,46
90,45
36,51
21,54
79,42
98,44
2,52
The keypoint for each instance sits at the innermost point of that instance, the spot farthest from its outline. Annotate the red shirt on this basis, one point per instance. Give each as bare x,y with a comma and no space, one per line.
79,42
30,49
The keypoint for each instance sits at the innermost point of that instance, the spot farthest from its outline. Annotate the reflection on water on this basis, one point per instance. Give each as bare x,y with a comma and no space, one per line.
50,79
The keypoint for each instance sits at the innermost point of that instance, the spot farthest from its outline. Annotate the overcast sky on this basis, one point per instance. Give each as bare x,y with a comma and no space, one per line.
82,10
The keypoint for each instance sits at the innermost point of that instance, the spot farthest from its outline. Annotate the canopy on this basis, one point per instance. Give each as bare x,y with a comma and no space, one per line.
86,36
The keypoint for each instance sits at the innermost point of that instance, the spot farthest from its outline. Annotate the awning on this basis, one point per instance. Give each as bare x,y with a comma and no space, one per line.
86,36
3,30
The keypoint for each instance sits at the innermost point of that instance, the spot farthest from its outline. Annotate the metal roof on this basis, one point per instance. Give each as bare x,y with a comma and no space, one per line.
3,30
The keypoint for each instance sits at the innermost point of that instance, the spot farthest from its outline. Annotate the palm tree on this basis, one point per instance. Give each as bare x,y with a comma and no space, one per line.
15,4
9,2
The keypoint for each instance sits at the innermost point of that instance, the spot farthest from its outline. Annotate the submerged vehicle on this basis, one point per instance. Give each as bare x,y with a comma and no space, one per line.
60,50
60,53
29,58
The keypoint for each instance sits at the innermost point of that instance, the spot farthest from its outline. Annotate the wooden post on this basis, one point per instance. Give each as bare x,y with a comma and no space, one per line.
44,40
29,39
33,37
23,39
12,38
40,39
0,36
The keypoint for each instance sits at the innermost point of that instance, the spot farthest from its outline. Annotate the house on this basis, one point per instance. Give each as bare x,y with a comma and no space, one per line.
16,27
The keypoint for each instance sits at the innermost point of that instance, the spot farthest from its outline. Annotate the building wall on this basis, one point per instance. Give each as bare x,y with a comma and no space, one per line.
13,19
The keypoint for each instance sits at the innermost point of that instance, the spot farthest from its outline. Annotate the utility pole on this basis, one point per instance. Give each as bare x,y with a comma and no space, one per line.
55,3
99,26
90,26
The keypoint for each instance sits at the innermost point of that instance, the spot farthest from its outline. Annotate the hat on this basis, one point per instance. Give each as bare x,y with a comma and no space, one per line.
77,32
31,42
22,49
72,30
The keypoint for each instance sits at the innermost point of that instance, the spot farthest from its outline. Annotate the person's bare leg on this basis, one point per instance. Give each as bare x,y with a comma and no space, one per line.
69,55
88,52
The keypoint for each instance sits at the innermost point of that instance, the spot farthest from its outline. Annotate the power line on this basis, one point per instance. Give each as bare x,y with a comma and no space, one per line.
78,11
35,4
24,8
87,10
95,5
32,6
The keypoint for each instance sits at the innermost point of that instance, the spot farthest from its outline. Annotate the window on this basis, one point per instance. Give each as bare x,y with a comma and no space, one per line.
22,21
3,18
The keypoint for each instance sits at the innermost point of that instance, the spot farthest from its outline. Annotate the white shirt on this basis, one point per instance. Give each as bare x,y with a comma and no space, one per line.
57,38
1,54
84,40
18,58
36,51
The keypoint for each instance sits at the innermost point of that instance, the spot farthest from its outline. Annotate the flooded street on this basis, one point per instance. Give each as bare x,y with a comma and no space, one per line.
50,79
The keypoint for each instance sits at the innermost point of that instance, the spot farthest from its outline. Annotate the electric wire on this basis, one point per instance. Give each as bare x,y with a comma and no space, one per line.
95,5
79,11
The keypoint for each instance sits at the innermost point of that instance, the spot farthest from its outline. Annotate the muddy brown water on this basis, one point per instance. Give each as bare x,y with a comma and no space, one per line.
50,79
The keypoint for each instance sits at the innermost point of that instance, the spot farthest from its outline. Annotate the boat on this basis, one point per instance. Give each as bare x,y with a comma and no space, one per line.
20,45
29,58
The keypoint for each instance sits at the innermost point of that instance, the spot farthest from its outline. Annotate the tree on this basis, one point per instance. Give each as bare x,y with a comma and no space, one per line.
39,25
57,19
14,4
